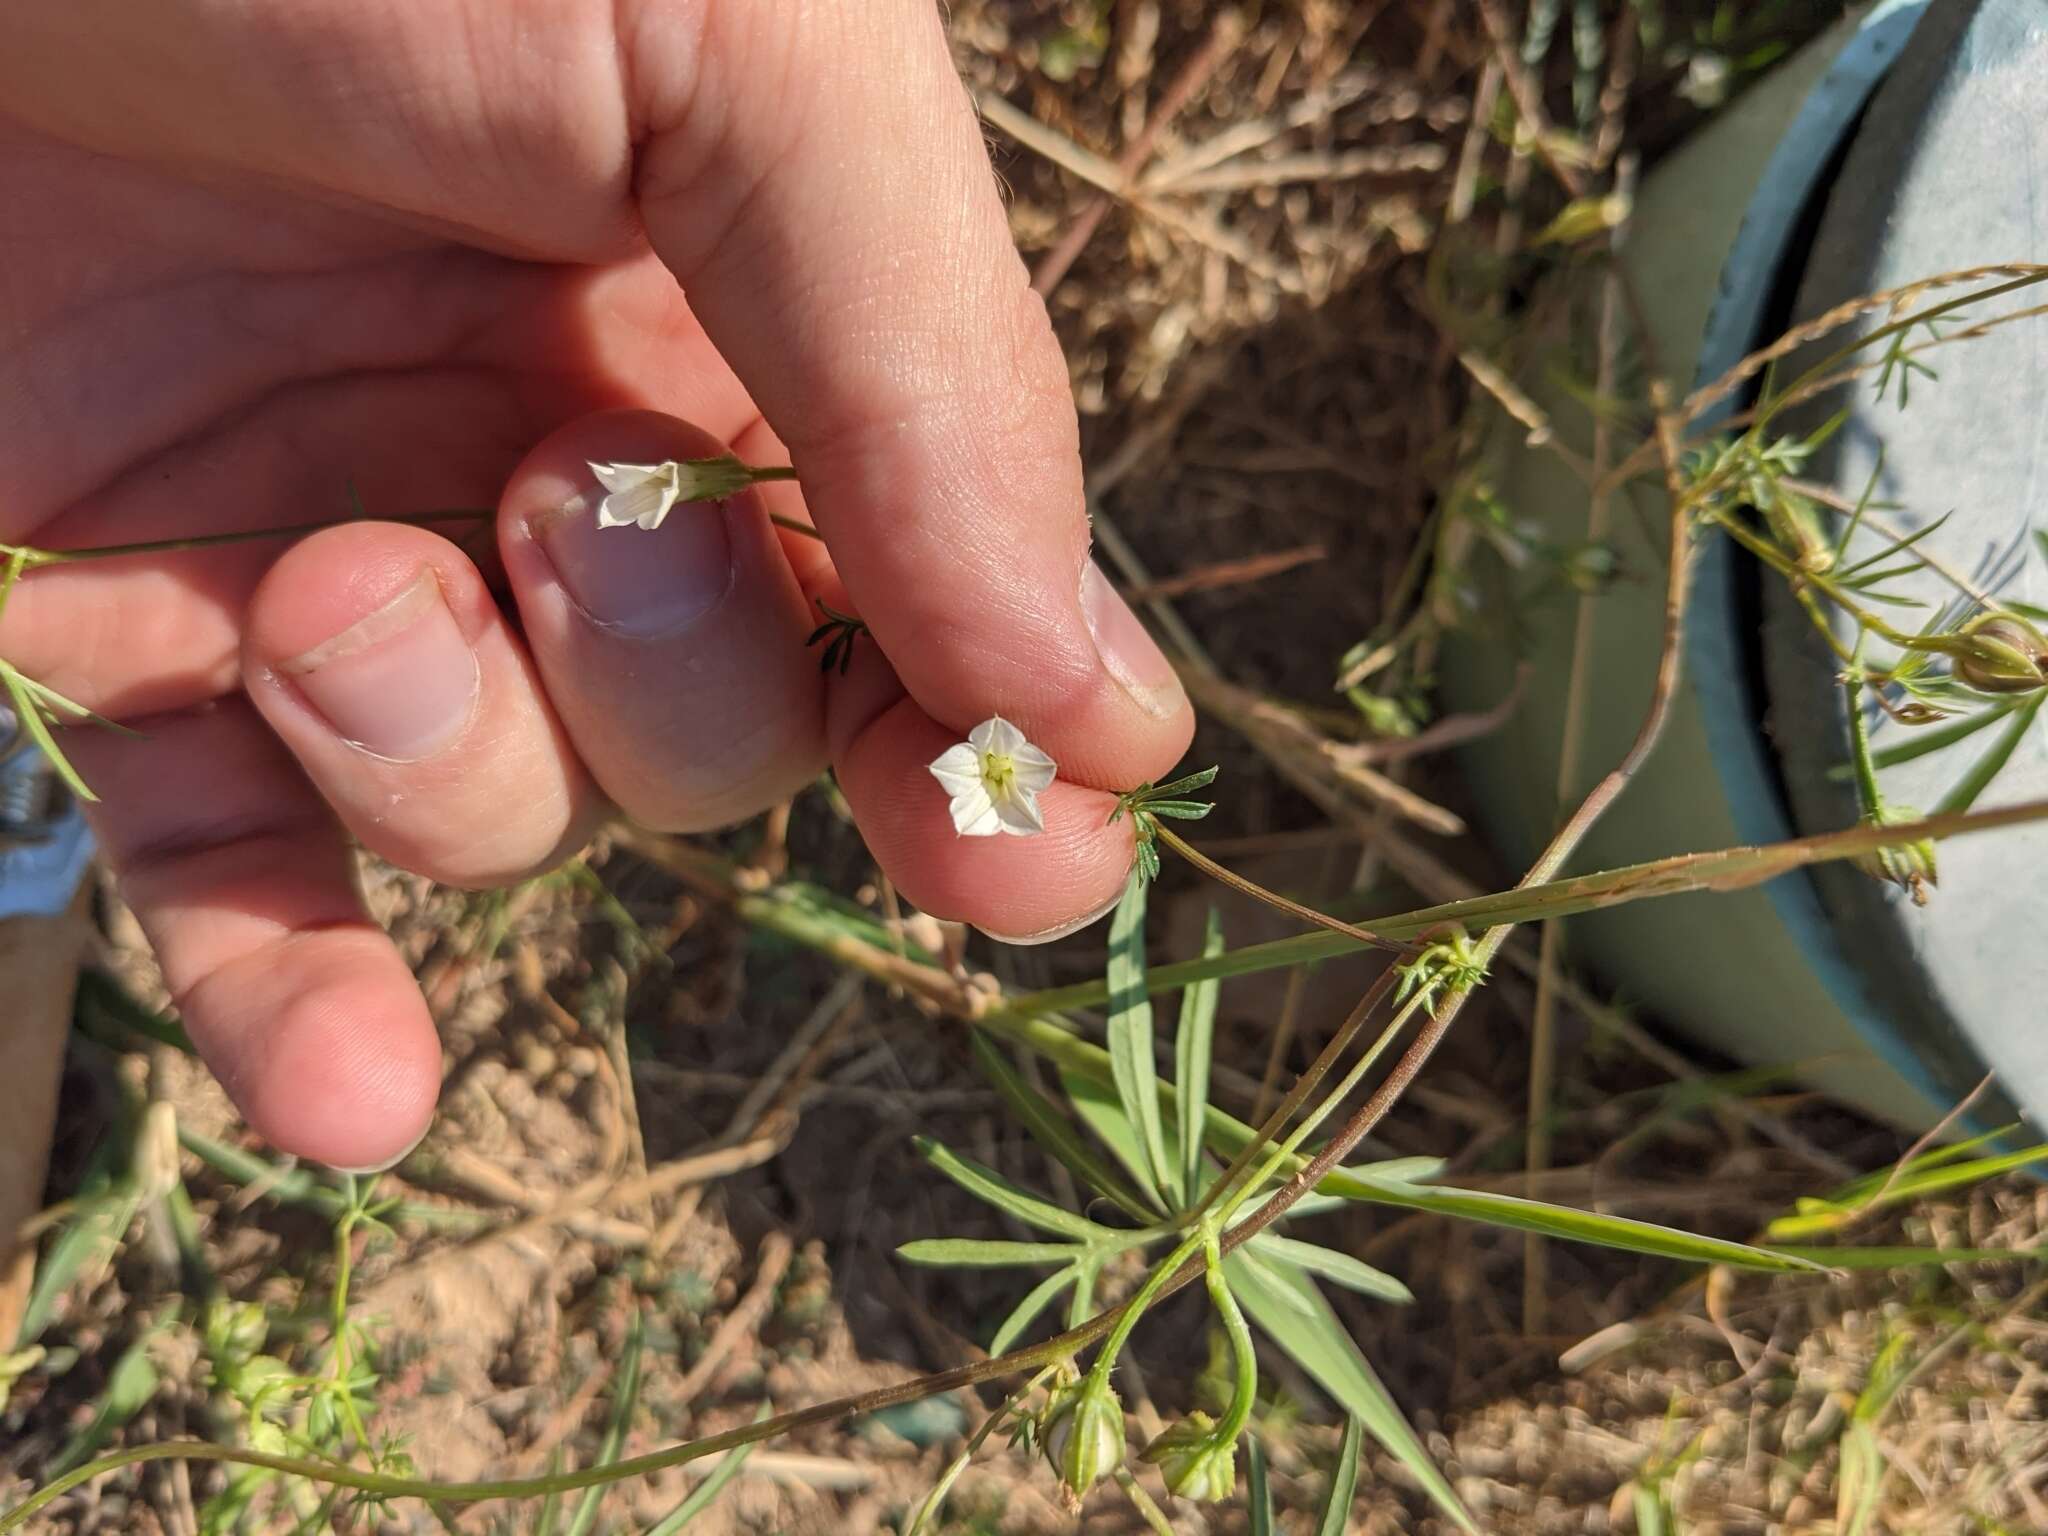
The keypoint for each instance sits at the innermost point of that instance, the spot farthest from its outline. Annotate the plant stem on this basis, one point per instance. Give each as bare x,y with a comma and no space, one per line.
1128,1314
1561,847
1257,892
33,558
1244,1355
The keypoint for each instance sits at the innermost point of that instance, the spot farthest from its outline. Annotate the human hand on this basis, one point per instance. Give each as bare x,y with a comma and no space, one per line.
252,254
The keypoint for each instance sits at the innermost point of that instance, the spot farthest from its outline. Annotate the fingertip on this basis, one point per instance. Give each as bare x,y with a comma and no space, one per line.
377,653
326,1046
1025,889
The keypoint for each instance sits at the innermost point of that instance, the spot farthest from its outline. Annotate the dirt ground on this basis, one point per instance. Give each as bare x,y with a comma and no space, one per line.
656,1106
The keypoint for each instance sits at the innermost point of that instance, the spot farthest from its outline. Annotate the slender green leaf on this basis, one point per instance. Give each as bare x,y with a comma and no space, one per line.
1095,1101
1258,1493
1338,1268
131,1383
1322,1348
1910,1185
82,1243
1963,794
706,1493
1336,1514
625,1397
29,711
987,1184
1191,1052
549,1521
1863,1186
1930,738
1084,1069
1027,1311
1563,1221
1404,1170
105,1010
974,1253
1130,1034
1053,1131
1081,1305
1252,1260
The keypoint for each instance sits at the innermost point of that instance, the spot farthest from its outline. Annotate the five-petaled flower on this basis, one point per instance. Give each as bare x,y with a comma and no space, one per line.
642,494
995,778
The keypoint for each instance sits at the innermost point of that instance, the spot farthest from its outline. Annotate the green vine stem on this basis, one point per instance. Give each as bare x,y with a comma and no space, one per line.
1251,888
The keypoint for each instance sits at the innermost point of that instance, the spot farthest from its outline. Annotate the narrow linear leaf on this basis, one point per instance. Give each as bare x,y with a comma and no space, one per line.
1338,1268
1081,1305
1130,1034
975,1253
131,1383
1258,1493
706,1493
1336,1514
1909,1186
1053,1131
625,1397
1321,1347
1084,1069
1253,1262
1191,1053
1096,1101
1860,1189
85,1242
1027,1311
986,1184
30,714
1563,1221
1992,762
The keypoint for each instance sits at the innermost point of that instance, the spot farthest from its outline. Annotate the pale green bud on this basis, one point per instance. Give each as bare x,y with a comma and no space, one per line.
1195,1464
1084,1434
2002,654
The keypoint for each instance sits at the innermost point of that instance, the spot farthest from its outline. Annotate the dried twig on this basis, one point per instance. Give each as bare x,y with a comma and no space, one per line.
741,1322
1223,37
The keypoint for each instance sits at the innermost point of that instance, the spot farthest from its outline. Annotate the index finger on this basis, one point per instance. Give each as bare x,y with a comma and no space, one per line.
820,187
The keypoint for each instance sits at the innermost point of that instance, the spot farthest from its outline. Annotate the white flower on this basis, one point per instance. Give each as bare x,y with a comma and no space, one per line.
639,493
995,778
642,494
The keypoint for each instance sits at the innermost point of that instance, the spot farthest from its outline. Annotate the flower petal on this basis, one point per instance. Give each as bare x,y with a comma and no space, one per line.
984,733
623,477
958,768
975,815
645,503
1019,814
1034,769
1003,737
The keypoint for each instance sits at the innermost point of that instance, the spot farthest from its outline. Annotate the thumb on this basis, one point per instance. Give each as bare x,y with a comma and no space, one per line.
821,189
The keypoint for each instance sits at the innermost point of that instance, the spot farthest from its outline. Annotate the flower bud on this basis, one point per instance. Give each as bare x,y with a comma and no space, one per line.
1909,866
1796,522
1195,1464
2002,654
1084,1434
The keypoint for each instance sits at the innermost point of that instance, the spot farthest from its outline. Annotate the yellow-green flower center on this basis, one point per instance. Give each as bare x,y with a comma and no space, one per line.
999,773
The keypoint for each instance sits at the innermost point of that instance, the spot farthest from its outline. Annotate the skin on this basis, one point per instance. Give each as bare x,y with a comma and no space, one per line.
257,252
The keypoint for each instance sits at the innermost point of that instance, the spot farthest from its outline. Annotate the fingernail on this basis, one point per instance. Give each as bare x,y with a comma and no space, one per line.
1127,651
1058,930
400,683
389,1163
641,581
